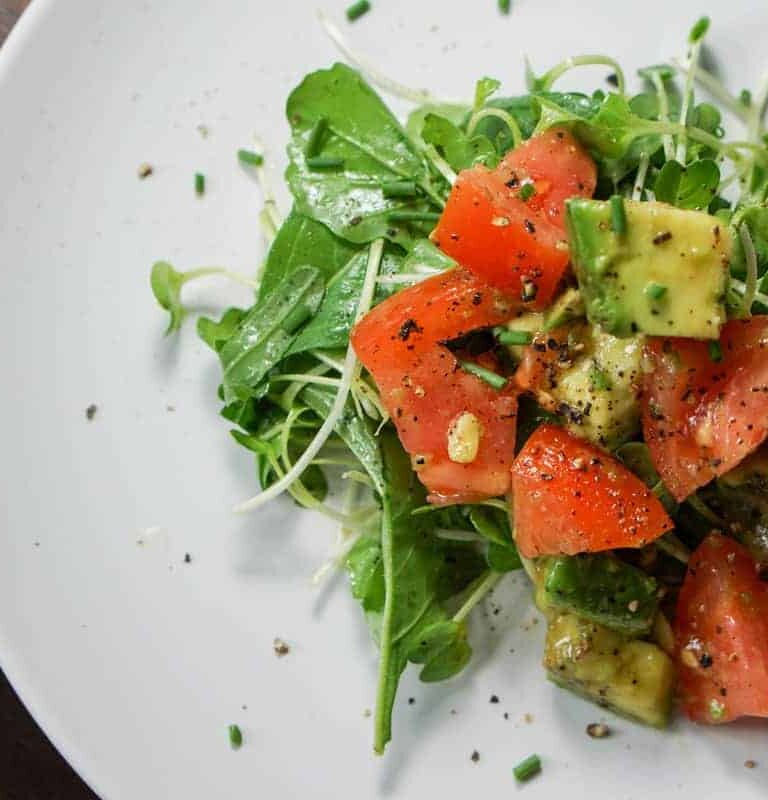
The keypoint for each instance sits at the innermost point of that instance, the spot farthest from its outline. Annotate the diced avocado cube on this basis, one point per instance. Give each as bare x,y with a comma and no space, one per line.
664,275
633,678
601,588
598,392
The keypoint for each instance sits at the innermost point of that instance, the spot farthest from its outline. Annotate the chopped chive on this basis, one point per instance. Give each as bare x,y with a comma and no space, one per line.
715,351
505,6
491,378
618,215
527,768
700,27
249,157
399,189
316,137
515,337
324,162
413,216
655,291
235,737
356,10
527,191
199,183
745,97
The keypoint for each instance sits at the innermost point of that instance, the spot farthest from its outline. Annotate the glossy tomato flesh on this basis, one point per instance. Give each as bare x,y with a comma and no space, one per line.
721,631
569,497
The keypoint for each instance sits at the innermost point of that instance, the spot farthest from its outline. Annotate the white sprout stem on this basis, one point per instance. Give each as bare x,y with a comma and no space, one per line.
452,535
333,363
440,164
661,93
291,393
750,257
672,546
642,171
376,77
305,379
337,409
402,277
740,288
693,62
357,476
271,209
715,87
204,272
478,593
549,78
505,117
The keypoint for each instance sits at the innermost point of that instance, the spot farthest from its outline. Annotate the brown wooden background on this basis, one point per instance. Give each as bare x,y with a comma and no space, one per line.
30,768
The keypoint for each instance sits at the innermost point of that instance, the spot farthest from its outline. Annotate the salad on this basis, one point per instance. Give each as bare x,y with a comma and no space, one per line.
524,333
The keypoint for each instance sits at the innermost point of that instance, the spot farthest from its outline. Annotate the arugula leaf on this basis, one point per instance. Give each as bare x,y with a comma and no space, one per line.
267,331
357,433
691,187
425,254
215,334
301,241
374,148
411,624
166,285
458,149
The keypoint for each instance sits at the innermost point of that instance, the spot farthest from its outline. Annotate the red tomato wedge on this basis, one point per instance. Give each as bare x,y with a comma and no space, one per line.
518,245
721,630
571,497
701,418
427,393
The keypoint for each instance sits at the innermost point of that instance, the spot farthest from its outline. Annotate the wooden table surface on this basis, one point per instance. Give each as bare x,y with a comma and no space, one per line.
30,767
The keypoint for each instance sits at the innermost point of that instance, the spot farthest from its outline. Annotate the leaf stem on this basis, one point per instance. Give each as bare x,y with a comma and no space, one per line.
484,585
498,113
204,272
544,84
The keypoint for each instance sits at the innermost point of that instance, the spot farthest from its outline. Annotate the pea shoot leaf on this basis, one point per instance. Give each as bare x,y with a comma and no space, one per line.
458,149
691,187
166,285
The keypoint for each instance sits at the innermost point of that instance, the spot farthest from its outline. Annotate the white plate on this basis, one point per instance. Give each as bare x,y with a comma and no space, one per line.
133,661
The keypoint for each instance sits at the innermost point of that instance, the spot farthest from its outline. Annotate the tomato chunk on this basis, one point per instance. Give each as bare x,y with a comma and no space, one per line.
570,497
517,244
428,395
701,417
721,630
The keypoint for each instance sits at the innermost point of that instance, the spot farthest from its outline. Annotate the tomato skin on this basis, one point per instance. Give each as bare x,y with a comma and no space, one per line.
571,497
721,634
401,343
518,245
701,418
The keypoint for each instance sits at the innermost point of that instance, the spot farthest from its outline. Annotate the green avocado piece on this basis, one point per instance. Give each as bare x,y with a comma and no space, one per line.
566,308
598,392
664,274
633,678
601,588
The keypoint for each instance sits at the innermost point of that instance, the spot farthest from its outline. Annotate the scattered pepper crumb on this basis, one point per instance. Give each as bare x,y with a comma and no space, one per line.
90,412
475,757
506,715
598,730
494,698
187,558
203,130
528,717
170,409
750,764
367,712
281,648
411,701
144,170
633,606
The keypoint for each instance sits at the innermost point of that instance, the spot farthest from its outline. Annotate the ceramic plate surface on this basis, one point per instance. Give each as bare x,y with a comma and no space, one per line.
132,660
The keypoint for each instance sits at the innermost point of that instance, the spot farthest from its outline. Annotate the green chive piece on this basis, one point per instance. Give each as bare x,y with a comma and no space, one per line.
655,291
356,10
527,191
505,6
399,189
745,97
698,30
491,378
316,137
324,162
715,351
250,158
199,183
235,737
515,337
413,216
527,768
618,215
